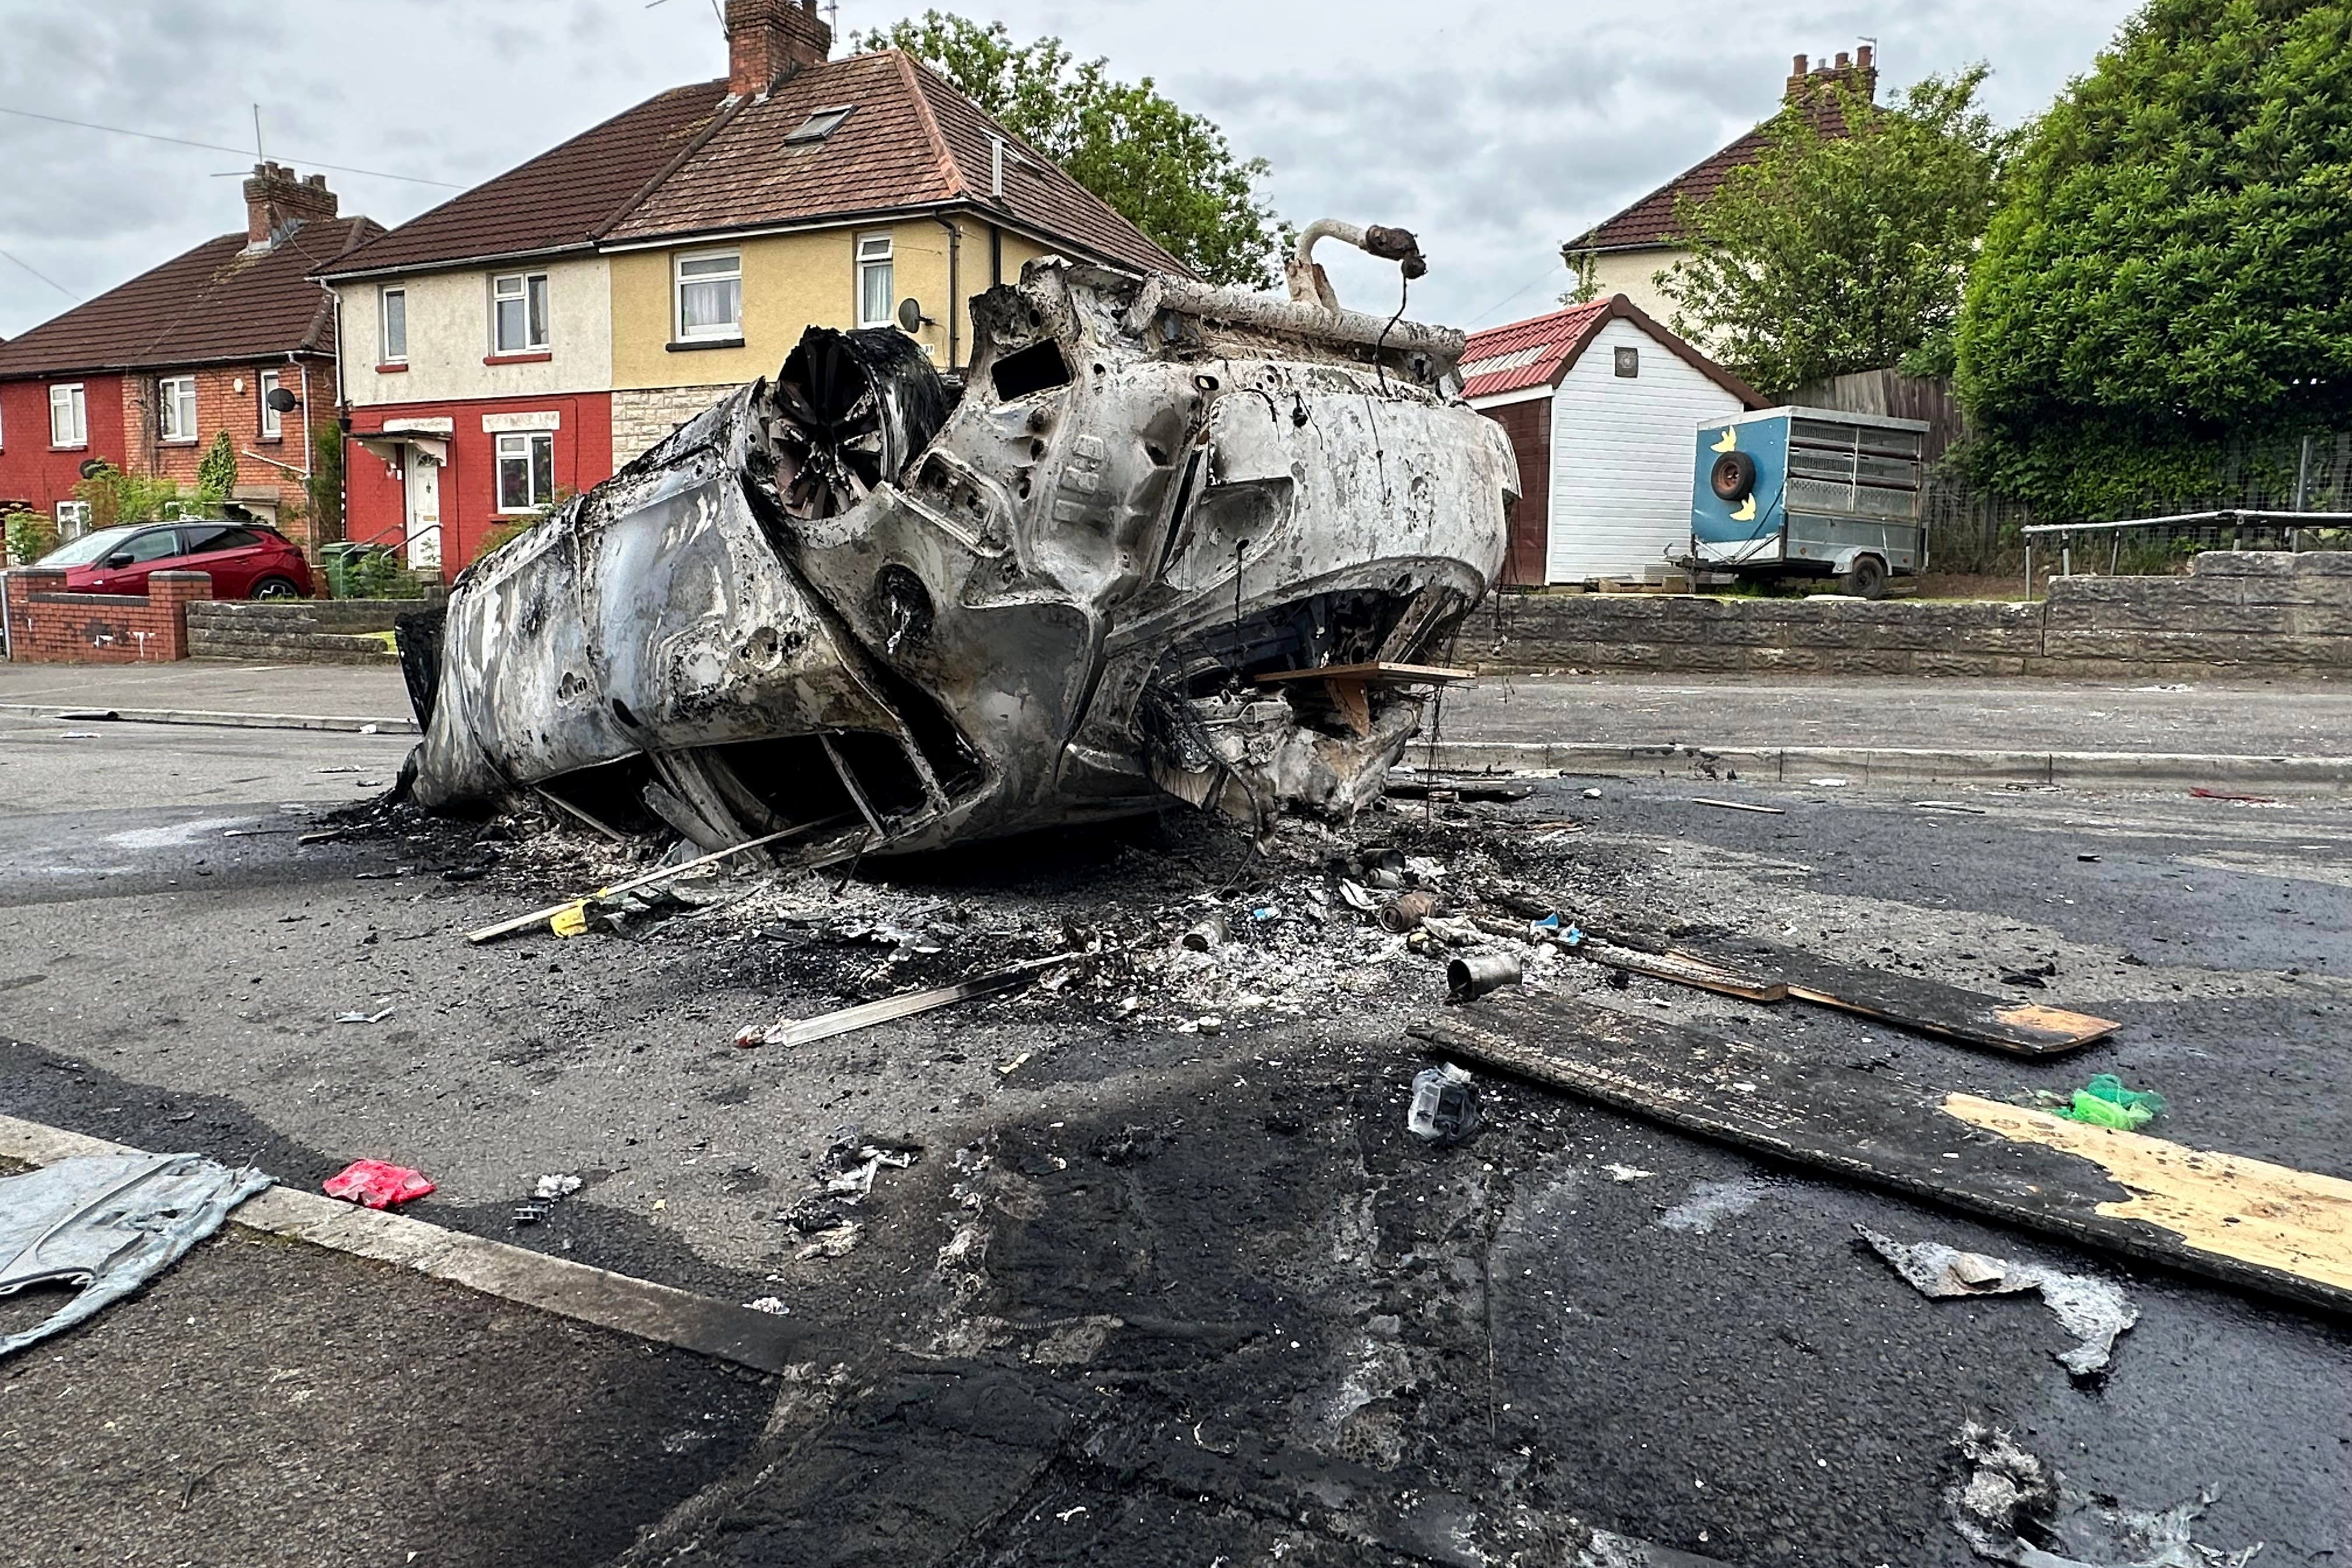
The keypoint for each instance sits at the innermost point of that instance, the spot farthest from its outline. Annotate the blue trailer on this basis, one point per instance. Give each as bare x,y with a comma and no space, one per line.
1786,492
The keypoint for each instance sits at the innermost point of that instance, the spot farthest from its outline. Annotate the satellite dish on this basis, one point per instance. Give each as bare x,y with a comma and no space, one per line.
94,466
282,399
910,315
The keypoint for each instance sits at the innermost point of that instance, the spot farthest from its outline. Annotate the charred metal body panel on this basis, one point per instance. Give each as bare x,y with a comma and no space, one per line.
848,593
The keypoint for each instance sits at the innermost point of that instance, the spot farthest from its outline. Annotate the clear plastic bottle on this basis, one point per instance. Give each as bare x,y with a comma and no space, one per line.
1444,1105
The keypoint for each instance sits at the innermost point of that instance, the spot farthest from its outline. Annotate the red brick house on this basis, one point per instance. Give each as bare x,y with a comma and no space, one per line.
146,375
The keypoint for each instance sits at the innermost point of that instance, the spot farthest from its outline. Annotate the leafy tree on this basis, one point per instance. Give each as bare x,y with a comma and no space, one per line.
30,536
1835,252
1168,172
116,497
216,474
2172,269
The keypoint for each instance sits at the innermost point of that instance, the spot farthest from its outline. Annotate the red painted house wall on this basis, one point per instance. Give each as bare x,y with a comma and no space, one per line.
33,471
375,508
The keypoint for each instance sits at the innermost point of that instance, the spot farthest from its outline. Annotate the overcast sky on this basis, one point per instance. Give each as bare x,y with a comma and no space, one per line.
1495,129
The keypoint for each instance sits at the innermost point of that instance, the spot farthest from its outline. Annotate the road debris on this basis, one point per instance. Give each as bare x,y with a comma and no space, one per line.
2093,1311
1467,979
2011,1506
2247,1223
1738,806
1627,1173
1053,594
1406,911
847,1020
570,916
2105,1102
2230,795
1960,806
1444,1105
378,1016
371,1183
1769,972
107,1222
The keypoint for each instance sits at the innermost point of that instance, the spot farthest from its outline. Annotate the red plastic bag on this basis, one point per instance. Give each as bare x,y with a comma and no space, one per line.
377,1185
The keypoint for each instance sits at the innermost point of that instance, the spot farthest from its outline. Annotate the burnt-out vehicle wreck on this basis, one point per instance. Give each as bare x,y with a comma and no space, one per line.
858,600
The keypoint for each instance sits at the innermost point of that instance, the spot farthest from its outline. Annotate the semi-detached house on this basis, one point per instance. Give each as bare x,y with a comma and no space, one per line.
523,341
147,375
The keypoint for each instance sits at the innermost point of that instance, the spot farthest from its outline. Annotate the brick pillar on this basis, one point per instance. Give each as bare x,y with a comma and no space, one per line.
23,581
168,594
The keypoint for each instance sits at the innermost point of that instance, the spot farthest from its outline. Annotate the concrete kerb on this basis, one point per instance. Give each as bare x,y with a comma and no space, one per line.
638,1308
1864,765
342,723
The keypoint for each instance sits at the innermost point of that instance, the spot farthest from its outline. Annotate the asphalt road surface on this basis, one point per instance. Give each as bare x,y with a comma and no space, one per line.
1151,1293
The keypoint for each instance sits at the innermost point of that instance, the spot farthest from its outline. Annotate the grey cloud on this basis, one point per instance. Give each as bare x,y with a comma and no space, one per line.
1497,127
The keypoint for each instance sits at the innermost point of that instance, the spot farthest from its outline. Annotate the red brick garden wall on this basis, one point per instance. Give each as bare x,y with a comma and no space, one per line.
48,626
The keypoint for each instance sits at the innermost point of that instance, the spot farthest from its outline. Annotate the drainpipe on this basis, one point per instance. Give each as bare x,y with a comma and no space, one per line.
995,257
955,285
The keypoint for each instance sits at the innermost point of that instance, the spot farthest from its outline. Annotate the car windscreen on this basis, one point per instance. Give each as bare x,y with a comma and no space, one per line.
89,547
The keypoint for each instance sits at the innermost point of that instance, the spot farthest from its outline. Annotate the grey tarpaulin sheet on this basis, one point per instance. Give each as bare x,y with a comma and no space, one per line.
112,1221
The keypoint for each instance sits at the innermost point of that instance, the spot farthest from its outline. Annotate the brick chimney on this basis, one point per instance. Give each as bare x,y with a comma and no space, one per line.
768,38
276,196
1857,72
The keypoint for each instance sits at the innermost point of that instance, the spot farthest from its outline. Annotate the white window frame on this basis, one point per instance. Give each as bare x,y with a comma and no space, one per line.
679,282
876,254
68,398
273,426
518,447
388,352
528,289
72,517
176,395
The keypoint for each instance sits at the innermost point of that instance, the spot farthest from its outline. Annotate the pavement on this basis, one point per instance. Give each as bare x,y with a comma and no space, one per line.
1149,1294
1593,724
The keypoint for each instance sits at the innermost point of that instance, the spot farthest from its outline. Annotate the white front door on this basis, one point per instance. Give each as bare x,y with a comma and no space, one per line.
424,520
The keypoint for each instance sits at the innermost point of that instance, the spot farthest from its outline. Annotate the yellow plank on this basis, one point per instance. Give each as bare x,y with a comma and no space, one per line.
2274,1217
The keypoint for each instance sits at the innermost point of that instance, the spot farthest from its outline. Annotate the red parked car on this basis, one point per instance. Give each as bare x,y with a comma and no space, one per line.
244,559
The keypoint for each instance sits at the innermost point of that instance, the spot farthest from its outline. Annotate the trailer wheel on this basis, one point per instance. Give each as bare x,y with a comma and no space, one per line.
1733,477
1867,580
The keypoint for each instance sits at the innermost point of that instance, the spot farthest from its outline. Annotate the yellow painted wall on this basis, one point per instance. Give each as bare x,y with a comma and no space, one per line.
791,282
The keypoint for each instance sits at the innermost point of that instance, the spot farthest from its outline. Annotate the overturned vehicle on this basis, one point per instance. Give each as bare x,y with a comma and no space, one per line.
1167,540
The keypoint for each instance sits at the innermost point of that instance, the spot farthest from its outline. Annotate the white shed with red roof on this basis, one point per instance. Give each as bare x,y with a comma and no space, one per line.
1599,402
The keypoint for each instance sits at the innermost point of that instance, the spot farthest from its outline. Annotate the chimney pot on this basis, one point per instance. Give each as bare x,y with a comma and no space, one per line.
1844,60
1798,68
1862,57
275,197
769,38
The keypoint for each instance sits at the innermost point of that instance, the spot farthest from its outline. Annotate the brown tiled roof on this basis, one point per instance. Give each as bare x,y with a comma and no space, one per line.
1650,222
213,303
911,140
561,200
1036,189
694,161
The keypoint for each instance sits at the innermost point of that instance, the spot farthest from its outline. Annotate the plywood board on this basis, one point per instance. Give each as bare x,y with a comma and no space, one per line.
2123,1193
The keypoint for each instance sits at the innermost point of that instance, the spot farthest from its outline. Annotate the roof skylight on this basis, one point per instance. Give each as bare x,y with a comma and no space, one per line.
820,125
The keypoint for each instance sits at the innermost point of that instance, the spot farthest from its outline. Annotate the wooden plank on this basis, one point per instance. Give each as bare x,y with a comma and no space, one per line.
2259,1226
1684,969
1401,674
849,1020
1911,1002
